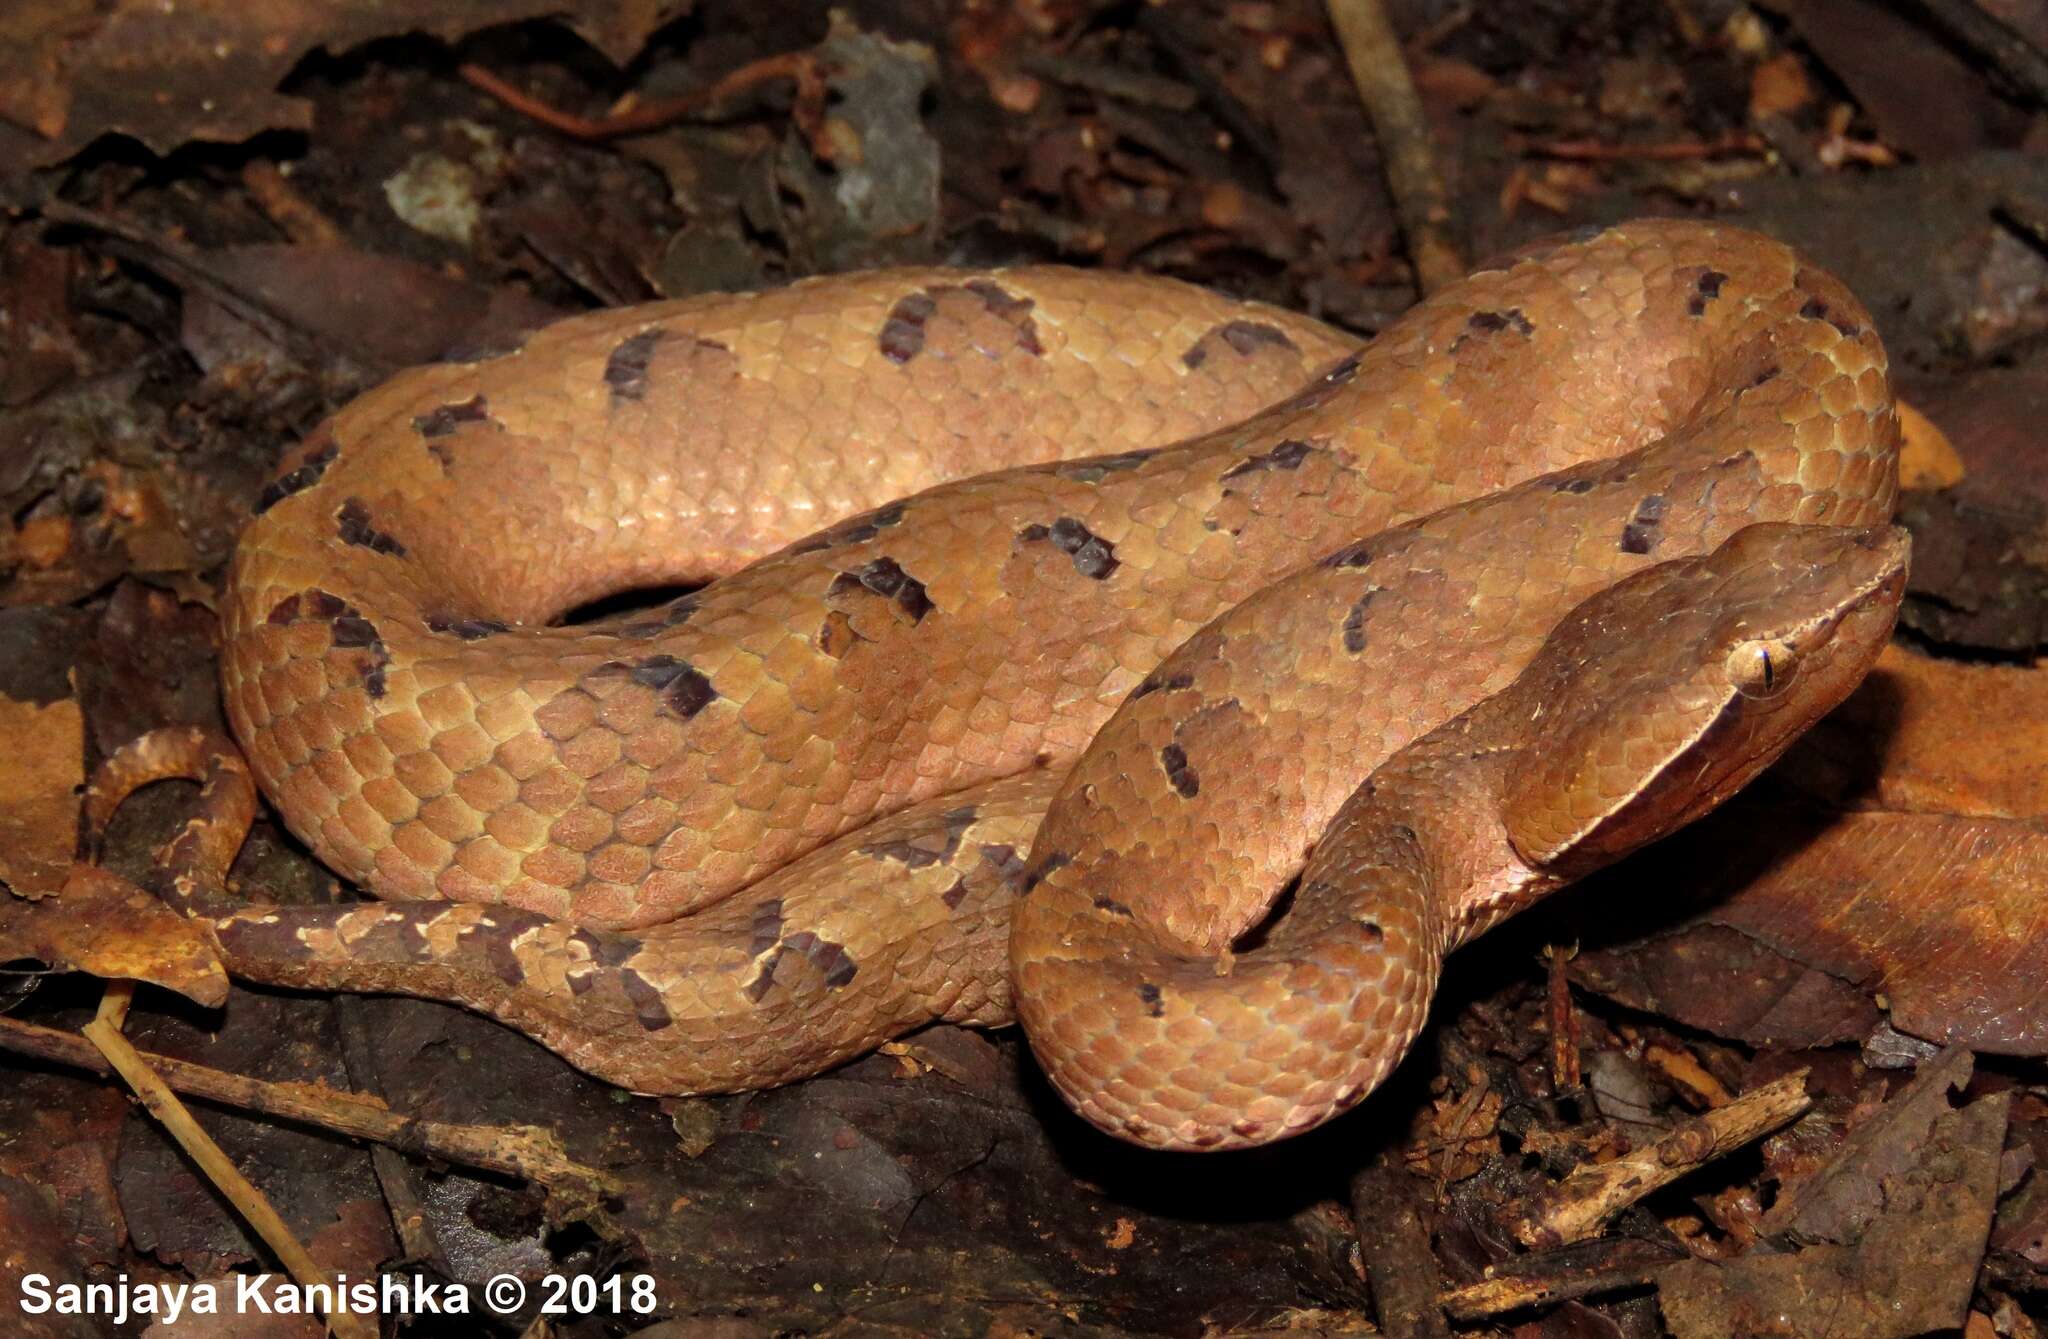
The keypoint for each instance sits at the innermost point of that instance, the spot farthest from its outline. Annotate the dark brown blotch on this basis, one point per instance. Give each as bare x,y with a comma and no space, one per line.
1245,338
852,530
915,855
1354,622
903,332
1096,468
1017,311
1371,549
645,997
1172,683
1818,310
836,635
299,479
1094,557
673,615
684,688
757,989
353,630
886,578
1052,862
605,949
1155,1005
445,420
495,943
1646,528
902,336
1004,860
355,527
395,936
625,371
1479,324
468,629
1112,906
1179,772
1704,290
830,958
765,932
1288,455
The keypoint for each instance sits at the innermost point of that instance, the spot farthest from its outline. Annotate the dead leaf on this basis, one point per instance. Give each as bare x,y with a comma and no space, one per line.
1900,853
1778,87
1901,1257
1934,736
105,925
1924,99
878,199
42,766
1927,459
73,70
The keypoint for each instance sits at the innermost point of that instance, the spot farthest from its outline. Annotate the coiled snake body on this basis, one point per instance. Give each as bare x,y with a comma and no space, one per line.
733,839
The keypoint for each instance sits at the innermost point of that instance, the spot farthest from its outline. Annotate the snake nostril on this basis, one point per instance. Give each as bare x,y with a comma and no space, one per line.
1371,934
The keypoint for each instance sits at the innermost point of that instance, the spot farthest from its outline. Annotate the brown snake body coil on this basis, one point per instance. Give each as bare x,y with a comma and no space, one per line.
946,659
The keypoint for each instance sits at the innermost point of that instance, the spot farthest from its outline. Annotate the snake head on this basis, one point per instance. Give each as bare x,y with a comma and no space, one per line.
1661,697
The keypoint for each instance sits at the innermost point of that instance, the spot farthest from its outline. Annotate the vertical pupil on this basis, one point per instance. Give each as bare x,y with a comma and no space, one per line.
1767,668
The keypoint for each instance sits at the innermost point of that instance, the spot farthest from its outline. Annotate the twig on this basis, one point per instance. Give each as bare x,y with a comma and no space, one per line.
529,1152
1557,1276
1578,1206
1565,1076
1114,81
296,216
1599,151
255,1209
1166,31
1394,1244
1381,73
800,66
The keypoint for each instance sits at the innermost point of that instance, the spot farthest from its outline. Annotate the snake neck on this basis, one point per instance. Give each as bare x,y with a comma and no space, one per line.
1439,831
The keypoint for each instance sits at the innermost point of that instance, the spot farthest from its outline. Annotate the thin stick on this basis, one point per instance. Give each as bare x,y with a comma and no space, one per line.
1581,1204
1384,86
1733,144
525,1151
796,65
1539,1280
249,1202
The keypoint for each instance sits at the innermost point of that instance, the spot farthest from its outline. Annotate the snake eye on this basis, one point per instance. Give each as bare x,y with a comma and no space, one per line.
1761,668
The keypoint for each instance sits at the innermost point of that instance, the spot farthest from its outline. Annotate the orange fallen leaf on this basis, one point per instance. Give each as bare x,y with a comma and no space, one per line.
105,925
42,765
1778,87
1927,460
1900,855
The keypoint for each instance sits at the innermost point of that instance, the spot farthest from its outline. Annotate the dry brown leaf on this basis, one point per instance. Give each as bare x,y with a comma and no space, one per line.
42,765
1778,87
1901,854
73,70
1927,459
1935,736
105,925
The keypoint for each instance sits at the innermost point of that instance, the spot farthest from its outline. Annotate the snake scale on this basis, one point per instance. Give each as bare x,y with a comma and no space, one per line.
1067,725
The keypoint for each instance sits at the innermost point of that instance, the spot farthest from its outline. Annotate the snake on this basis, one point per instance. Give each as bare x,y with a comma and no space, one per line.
1052,630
